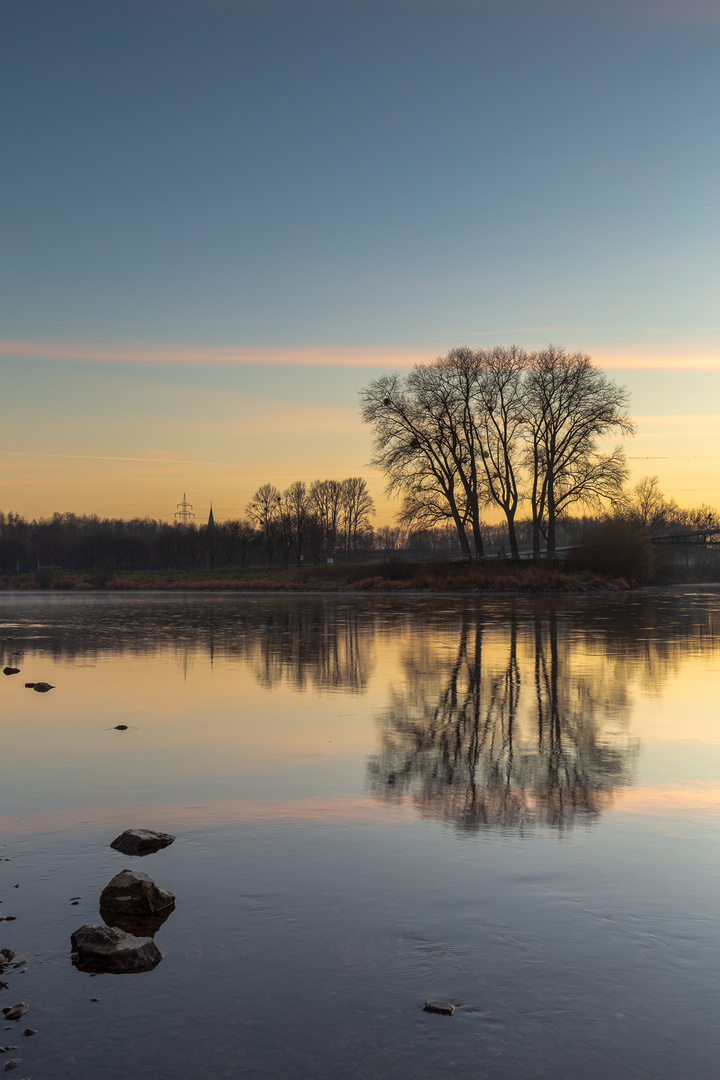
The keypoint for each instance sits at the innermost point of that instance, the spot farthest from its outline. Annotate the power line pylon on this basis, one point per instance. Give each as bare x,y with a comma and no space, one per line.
184,513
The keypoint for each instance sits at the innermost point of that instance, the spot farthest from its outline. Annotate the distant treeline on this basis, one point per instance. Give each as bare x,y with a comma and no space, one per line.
88,542
305,524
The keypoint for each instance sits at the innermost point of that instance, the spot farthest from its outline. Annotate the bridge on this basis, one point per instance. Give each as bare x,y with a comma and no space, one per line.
701,538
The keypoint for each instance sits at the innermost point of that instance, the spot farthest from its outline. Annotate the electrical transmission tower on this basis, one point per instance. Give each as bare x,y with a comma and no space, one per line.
184,513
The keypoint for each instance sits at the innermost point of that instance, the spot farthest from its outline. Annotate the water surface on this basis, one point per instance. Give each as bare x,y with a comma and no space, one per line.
510,804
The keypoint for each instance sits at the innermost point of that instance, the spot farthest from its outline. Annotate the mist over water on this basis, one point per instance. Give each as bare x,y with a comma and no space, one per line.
506,803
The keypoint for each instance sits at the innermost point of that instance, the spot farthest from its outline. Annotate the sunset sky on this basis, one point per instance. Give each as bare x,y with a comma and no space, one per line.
221,218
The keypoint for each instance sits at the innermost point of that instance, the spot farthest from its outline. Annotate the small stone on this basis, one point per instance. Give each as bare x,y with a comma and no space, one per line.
443,1007
141,841
13,1063
121,727
42,687
11,671
14,1012
28,1032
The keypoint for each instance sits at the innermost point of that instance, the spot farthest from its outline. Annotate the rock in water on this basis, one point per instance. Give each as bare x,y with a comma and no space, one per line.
14,1012
105,949
13,1063
141,841
11,671
133,893
42,687
443,1007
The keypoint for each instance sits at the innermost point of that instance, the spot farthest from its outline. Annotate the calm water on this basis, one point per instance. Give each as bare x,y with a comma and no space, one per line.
509,804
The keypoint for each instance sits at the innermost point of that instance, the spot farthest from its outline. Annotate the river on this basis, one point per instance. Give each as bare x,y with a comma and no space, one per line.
509,803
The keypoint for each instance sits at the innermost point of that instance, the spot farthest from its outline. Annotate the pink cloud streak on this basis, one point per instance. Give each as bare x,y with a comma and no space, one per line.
695,357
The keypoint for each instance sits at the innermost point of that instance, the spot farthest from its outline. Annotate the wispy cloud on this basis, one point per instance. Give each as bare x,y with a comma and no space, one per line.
668,356
200,355
111,457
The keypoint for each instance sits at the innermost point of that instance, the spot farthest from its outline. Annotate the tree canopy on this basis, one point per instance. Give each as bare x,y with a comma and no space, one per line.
497,427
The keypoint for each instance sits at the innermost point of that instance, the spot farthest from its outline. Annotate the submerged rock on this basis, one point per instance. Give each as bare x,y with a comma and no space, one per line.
6,955
133,893
41,687
11,671
121,727
106,949
443,1007
141,841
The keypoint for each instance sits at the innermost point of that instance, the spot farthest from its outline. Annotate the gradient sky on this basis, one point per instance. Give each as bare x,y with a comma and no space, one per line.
221,218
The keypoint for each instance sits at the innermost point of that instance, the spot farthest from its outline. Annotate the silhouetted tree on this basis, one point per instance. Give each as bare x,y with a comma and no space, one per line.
263,509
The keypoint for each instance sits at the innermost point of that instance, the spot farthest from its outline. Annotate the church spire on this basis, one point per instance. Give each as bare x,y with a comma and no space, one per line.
211,519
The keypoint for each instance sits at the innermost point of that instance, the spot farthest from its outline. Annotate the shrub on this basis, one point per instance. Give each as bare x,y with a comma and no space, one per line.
616,548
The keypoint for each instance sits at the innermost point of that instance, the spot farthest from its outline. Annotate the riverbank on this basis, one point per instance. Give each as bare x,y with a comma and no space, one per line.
395,575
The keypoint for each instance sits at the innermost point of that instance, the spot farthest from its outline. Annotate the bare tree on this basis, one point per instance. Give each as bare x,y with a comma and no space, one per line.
499,416
357,506
420,448
648,507
325,503
570,406
295,510
263,511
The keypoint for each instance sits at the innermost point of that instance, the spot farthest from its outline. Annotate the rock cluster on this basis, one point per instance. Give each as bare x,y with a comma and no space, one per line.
133,908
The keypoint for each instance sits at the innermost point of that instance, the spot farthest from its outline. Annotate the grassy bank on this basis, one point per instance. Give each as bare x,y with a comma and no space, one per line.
395,575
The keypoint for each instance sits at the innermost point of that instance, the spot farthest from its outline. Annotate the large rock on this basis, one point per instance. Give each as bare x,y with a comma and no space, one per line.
133,893
141,841
105,949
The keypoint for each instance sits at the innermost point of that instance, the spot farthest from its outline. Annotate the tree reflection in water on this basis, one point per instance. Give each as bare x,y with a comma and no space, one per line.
313,646
504,731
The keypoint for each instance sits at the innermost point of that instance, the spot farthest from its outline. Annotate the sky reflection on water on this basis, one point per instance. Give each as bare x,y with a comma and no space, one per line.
507,803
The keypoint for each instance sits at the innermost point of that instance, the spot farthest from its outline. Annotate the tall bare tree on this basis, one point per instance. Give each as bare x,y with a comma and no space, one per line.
325,503
569,408
357,507
294,511
263,511
419,445
499,415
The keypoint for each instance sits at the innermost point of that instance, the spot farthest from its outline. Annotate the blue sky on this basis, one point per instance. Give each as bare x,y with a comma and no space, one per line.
349,178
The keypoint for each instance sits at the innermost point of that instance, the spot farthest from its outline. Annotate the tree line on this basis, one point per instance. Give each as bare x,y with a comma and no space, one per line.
315,522
499,427
327,517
